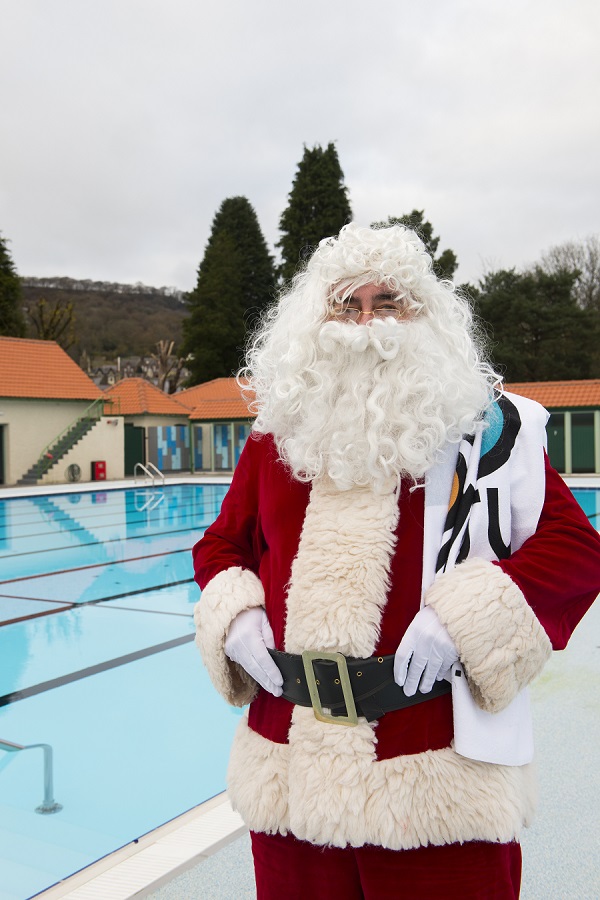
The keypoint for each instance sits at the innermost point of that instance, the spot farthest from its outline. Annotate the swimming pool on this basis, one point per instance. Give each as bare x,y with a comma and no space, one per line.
589,500
98,661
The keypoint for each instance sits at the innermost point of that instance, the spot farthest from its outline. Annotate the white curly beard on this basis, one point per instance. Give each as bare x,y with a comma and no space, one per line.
380,402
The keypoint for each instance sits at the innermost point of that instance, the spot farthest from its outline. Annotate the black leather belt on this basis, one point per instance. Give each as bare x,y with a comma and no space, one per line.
346,686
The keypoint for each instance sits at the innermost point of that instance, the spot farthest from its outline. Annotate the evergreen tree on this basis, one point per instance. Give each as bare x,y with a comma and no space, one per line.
537,330
446,263
12,322
318,207
236,282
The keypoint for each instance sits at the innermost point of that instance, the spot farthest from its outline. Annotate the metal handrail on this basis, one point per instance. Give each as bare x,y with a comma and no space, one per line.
147,472
86,414
156,470
49,804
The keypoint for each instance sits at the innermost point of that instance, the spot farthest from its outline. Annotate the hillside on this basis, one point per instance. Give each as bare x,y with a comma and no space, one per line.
112,319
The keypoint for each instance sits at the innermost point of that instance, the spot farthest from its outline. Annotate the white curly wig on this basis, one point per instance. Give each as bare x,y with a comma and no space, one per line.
367,404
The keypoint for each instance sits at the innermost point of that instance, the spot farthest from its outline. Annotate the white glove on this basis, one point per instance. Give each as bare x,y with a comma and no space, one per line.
426,650
246,643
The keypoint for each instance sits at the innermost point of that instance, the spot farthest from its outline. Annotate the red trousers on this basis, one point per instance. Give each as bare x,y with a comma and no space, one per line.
289,869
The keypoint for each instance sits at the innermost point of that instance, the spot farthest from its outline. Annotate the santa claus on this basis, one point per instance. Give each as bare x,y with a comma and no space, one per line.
391,567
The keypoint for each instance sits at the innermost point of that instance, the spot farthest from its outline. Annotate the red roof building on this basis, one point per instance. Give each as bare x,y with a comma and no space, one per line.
217,400
221,423
42,370
560,394
136,397
51,416
157,428
574,425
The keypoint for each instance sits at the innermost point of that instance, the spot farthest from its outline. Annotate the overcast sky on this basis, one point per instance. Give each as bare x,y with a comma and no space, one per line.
126,123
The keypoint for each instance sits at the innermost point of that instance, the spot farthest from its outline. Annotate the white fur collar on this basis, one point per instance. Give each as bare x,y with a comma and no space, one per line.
340,576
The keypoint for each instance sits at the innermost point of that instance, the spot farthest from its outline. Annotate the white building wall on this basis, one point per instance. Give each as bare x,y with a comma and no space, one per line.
105,441
30,426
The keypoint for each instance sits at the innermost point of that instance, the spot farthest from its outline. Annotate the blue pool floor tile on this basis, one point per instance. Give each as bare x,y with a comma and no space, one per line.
98,582
179,600
17,608
55,646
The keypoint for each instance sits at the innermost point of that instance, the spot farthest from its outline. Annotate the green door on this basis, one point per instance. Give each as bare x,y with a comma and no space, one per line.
556,440
134,447
582,438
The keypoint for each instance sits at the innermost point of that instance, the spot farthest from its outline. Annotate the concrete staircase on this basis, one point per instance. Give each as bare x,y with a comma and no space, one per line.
65,442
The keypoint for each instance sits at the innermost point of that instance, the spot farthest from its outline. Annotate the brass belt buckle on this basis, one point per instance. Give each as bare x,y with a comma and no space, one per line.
307,659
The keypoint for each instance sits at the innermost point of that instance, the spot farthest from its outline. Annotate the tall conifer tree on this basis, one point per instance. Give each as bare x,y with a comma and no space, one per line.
318,206
12,321
236,282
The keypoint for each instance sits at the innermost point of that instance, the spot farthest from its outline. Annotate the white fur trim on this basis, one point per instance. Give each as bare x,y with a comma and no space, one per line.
340,577
257,780
227,594
326,787
501,643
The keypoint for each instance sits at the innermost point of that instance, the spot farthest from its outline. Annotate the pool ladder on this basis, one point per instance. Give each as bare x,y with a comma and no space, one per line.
49,804
150,471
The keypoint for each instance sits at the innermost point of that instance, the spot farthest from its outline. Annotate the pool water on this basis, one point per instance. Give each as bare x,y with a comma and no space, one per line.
589,500
98,661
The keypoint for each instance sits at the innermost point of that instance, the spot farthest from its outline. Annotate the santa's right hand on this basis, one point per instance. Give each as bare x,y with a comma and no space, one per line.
247,640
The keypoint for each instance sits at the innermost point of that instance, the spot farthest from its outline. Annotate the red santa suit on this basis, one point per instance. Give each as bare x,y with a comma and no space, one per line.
346,571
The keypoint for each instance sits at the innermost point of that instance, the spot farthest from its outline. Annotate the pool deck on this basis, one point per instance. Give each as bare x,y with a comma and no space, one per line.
139,868
12,492
9,492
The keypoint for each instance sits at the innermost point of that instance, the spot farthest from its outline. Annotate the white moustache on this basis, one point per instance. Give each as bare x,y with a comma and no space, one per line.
385,336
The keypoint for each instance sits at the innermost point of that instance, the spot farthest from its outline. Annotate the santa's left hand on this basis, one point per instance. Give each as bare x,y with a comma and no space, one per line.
425,655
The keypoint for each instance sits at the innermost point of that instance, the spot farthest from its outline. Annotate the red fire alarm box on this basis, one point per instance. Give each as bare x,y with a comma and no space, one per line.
99,470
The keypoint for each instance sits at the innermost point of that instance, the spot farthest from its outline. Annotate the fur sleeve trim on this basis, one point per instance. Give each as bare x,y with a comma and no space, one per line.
227,594
500,642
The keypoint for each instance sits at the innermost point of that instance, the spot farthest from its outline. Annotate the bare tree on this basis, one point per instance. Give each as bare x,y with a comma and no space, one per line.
582,257
169,367
177,374
53,321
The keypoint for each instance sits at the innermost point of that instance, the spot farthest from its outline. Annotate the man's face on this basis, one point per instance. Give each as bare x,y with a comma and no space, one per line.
371,301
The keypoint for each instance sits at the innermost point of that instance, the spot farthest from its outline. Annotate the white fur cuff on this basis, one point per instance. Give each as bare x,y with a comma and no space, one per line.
501,643
227,594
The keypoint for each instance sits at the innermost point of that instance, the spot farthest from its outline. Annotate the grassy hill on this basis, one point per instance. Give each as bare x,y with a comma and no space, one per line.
112,320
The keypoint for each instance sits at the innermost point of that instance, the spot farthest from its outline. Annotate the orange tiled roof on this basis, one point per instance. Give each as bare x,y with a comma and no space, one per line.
560,394
209,410
220,398
42,370
136,396
217,389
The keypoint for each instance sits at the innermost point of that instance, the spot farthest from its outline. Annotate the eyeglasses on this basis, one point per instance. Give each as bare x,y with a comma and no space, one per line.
353,313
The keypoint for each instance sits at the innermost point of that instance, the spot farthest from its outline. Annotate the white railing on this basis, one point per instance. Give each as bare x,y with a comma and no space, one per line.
150,471
48,804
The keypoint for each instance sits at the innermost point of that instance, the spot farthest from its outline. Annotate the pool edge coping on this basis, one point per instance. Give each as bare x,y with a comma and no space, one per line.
141,867
18,492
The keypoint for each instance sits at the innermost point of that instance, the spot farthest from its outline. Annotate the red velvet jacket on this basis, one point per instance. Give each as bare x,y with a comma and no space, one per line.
259,529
